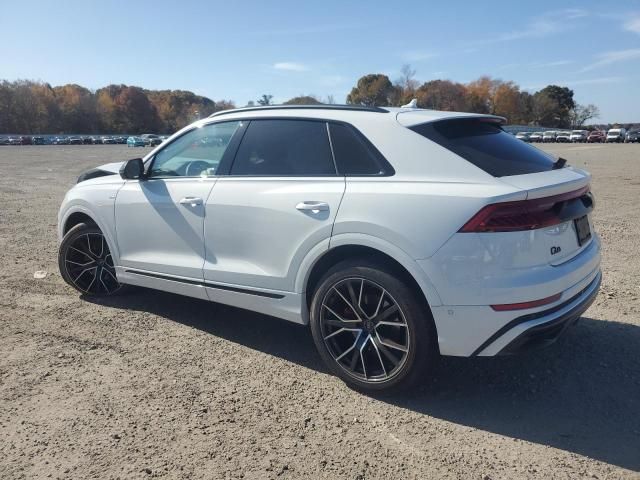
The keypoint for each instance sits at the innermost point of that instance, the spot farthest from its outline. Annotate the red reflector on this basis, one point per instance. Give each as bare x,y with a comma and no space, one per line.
520,215
521,306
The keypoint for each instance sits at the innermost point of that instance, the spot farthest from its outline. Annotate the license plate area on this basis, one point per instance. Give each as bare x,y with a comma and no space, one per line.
583,229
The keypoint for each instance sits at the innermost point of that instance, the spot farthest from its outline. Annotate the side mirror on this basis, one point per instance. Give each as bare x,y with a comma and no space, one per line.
132,169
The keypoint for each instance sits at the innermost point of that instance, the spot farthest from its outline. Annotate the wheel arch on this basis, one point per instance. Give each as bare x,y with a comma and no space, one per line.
74,219
79,213
345,246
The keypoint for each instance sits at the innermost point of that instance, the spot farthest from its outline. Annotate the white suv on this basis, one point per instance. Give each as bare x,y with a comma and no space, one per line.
398,234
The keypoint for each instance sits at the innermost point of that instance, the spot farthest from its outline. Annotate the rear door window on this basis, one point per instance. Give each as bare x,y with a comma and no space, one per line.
284,148
487,146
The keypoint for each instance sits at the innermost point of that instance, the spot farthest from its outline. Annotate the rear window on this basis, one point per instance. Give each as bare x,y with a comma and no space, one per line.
487,146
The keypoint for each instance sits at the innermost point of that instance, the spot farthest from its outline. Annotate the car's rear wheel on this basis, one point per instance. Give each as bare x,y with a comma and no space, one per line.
371,329
86,263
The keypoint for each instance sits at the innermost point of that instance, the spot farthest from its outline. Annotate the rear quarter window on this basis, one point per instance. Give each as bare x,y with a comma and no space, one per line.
487,146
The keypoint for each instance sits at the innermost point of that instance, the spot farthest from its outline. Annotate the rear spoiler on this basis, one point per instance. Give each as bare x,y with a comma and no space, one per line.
413,117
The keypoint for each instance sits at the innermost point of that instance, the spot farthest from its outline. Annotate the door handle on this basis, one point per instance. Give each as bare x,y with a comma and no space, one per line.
191,201
313,207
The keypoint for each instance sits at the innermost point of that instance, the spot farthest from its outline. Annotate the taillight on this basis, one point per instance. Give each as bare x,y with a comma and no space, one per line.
520,215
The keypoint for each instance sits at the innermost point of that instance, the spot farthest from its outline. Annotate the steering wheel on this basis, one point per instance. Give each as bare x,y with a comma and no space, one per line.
200,165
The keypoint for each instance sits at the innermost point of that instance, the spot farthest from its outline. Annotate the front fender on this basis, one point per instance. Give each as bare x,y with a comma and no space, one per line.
97,203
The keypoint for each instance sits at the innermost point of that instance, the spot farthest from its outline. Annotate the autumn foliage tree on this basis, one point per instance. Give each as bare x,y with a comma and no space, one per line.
553,106
36,107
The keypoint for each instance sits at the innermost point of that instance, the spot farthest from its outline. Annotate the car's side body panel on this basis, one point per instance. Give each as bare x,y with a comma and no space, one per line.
256,232
158,229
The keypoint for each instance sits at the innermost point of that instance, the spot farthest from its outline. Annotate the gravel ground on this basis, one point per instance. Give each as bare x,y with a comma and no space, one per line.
156,385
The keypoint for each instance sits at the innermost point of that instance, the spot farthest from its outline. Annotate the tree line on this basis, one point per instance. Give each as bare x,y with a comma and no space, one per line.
552,106
37,107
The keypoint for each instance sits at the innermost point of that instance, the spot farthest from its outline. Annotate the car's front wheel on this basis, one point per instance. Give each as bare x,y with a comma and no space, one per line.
86,263
371,328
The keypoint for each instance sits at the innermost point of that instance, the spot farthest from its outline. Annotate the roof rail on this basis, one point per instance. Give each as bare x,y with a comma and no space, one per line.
357,108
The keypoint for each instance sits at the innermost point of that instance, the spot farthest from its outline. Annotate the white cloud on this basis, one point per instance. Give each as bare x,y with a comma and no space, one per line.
633,25
290,66
544,25
617,56
557,63
594,81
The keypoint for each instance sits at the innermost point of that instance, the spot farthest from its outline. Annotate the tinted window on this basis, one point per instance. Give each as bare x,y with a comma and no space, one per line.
197,153
284,148
487,146
353,154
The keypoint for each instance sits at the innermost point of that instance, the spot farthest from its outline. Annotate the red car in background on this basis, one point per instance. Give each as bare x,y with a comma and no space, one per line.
596,137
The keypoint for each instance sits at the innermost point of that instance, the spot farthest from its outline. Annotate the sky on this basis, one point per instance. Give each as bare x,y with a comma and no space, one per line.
239,50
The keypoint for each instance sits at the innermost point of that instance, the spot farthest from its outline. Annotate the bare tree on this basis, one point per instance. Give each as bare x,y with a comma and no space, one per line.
265,100
581,113
406,85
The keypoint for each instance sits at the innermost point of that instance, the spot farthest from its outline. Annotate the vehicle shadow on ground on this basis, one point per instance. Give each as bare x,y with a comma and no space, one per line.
581,395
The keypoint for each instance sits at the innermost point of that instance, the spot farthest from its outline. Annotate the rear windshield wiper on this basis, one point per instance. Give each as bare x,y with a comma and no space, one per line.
560,163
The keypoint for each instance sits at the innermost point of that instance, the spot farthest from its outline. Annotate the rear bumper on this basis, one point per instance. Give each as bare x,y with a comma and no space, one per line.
555,322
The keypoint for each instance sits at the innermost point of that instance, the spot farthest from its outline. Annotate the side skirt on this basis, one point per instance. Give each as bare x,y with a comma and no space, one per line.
285,305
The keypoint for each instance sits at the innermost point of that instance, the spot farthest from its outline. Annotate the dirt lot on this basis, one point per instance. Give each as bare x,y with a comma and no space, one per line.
156,385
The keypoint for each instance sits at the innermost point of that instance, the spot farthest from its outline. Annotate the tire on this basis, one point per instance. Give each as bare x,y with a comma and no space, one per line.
85,262
367,355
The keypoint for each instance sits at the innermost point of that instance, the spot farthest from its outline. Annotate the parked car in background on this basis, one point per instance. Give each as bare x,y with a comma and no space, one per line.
597,136
15,141
309,214
524,136
616,135
536,137
578,136
75,141
38,141
632,136
151,139
121,140
563,137
549,136
108,141
135,142
60,141
26,140
96,140
87,141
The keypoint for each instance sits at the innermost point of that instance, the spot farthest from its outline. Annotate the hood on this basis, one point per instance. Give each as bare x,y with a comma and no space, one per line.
101,171
110,167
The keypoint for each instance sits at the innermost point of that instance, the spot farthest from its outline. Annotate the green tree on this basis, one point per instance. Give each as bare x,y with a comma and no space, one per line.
303,100
559,114
372,90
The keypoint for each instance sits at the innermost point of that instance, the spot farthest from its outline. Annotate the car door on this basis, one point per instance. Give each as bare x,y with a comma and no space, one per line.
278,202
160,219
